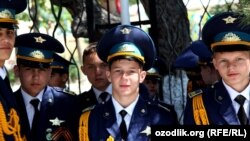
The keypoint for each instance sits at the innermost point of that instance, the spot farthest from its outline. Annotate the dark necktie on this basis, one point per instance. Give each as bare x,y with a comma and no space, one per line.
123,128
103,96
34,127
241,113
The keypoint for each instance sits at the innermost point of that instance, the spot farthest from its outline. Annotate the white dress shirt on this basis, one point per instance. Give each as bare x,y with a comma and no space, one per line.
29,107
128,109
233,94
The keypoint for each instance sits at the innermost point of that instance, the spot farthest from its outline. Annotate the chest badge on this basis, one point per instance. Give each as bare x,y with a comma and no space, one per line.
56,121
146,131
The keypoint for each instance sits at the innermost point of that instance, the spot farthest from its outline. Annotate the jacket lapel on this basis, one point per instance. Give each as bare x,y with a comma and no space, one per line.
139,120
23,114
226,109
110,119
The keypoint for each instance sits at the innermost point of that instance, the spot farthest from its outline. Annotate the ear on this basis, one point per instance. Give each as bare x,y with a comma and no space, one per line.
50,72
83,69
16,71
65,77
108,75
214,63
142,76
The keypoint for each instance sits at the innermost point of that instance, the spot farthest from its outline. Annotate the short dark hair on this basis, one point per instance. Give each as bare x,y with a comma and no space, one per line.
91,48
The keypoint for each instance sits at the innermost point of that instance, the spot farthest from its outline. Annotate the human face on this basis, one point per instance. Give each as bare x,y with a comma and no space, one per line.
125,76
57,80
33,80
209,74
7,40
95,70
153,85
234,68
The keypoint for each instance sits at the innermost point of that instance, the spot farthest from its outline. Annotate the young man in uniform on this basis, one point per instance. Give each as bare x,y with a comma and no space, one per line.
60,74
8,25
153,82
95,70
227,101
208,73
129,51
46,114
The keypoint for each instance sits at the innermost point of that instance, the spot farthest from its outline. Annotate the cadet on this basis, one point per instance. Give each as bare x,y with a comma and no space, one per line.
10,126
129,51
188,61
95,70
208,73
153,82
227,101
60,74
153,85
46,114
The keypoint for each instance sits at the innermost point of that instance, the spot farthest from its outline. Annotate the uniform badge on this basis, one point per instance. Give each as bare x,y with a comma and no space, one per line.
220,98
49,134
56,121
39,39
147,131
143,111
125,31
231,37
6,14
37,54
195,93
229,19
106,114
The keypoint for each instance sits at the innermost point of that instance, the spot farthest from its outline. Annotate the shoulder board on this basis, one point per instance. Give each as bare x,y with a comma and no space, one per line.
212,86
69,92
158,104
56,89
164,107
88,109
195,93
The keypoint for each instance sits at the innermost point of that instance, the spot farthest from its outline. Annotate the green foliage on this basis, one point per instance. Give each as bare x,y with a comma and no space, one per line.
131,2
45,16
244,8
73,73
11,76
196,25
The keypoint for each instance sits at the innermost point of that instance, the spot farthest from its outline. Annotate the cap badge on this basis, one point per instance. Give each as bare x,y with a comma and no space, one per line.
39,39
229,19
231,37
125,31
6,14
37,54
56,121
125,48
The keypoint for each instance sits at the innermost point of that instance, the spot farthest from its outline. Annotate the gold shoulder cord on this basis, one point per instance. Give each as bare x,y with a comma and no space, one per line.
11,127
200,114
83,127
